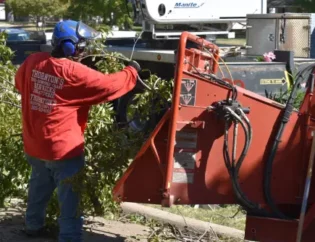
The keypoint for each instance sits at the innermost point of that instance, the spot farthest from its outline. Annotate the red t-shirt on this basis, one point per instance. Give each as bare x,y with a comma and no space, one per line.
56,98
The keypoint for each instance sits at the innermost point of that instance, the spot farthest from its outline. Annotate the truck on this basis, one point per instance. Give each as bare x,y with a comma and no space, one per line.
290,36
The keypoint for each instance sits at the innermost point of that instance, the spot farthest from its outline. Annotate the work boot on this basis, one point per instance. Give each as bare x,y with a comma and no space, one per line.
34,233
45,232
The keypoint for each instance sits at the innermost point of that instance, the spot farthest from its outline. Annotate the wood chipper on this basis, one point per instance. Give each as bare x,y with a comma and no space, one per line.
222,144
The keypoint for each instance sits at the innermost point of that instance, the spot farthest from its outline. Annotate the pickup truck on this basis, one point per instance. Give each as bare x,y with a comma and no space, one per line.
24,42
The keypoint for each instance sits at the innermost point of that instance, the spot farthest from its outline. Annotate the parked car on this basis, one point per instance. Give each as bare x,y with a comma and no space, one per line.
16,34
24,42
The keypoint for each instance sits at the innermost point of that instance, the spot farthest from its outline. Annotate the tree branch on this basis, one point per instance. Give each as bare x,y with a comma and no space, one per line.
11,104
6,81
5,88
7,69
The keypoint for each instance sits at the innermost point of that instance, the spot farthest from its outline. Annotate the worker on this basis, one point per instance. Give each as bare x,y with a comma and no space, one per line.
57,94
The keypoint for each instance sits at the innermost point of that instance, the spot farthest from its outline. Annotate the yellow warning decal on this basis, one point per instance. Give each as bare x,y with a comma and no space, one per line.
272,81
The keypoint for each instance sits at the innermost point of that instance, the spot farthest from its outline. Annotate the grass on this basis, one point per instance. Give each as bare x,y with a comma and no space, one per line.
222,41
137,28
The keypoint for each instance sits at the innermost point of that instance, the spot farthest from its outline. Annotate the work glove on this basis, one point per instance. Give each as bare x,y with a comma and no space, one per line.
143,74
135,65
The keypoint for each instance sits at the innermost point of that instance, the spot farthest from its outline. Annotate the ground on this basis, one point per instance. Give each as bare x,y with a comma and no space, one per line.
96,229
126,228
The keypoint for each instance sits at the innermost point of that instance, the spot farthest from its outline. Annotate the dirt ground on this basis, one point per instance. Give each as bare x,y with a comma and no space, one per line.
96,230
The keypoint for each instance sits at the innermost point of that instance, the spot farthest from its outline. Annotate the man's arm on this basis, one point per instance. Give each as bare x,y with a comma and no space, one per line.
89,87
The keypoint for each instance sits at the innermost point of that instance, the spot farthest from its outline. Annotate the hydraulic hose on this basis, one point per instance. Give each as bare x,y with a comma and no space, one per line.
250,135
234,168
287,112
239,194
247,139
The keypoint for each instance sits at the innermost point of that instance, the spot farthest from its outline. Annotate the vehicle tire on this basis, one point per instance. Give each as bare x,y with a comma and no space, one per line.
134,123
123,118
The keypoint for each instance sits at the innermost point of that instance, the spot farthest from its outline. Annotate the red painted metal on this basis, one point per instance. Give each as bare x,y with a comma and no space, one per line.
310,217
182,162
239,83
270,230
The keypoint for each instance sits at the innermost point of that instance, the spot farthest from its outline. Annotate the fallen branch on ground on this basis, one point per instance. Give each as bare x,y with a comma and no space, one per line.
181,222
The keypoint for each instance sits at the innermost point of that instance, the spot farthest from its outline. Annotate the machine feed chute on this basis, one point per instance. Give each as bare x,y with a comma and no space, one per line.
158,167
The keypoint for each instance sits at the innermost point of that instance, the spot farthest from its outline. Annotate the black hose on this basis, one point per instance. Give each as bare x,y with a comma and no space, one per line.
226,148
219,81
224,83
233,168
284,120
250,136
239,194
247,142
234,171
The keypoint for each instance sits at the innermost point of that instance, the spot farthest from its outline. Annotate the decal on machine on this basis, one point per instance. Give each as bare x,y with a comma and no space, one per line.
188,5
186,139
181,177
184,167
272,81
185,160
188,92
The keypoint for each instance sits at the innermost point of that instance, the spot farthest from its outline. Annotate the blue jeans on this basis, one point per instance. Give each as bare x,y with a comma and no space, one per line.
45,178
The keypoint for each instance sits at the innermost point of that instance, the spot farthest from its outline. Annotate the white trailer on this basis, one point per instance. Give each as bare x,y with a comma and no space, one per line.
166,19
199,11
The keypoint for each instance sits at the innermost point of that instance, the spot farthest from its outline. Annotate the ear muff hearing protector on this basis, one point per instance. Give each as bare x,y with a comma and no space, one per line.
68,48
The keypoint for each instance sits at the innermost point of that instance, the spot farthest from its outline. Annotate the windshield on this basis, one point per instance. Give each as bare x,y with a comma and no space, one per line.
18,36
87,32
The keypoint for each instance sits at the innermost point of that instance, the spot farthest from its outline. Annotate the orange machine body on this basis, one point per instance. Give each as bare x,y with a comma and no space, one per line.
182,162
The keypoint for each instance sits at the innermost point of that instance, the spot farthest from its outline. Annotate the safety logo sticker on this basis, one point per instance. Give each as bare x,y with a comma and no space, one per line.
188,92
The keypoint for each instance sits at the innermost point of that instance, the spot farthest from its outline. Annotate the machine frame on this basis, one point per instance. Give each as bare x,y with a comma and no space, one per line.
222,144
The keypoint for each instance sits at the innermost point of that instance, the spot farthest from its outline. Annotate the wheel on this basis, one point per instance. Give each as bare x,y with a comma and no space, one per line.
125,119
